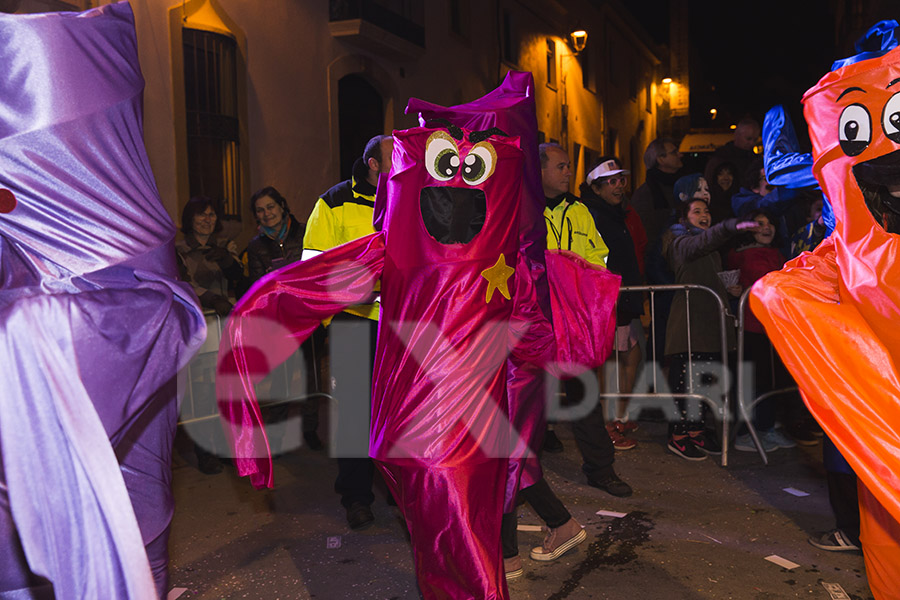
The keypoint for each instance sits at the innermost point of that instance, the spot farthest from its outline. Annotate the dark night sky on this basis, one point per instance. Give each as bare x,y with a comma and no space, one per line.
748,56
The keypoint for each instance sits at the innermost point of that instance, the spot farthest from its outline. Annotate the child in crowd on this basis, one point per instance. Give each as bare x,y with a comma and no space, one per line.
658,269
691,250
755,255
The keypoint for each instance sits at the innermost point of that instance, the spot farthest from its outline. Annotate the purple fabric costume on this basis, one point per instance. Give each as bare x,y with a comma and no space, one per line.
93,325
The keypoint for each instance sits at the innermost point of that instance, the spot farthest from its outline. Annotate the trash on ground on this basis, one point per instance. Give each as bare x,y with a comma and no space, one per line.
835,591
782,562
610,513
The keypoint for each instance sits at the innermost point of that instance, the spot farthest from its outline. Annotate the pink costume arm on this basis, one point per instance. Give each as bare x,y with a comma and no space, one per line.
270,322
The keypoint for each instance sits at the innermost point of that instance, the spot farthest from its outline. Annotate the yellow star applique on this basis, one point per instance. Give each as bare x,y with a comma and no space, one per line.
497,276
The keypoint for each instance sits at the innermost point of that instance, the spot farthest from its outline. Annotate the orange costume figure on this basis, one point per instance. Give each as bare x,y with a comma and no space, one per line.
836,310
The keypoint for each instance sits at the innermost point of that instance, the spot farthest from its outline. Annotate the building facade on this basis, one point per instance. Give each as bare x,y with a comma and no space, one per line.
244,94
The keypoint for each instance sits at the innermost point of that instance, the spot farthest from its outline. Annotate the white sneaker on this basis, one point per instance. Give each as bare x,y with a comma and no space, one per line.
744,443
773,436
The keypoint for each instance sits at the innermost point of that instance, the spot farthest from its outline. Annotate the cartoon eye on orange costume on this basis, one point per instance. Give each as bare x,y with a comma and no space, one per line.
836,310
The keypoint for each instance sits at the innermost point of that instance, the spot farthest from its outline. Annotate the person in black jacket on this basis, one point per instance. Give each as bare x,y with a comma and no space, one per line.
278,244
280,238
604,195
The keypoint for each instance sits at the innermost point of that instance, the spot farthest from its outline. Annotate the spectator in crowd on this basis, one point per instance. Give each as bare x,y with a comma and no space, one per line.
210,264
655,203
659,271
604,195
722,178
280,238
654,200
839,475
757,193
279,243
755,255
555,176
739,151
691,248
342,214
807,237
570,226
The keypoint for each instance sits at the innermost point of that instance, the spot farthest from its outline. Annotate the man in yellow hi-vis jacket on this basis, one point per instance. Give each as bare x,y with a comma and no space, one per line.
342,214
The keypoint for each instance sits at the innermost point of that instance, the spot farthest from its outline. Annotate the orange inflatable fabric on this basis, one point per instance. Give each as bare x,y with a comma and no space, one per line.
834,314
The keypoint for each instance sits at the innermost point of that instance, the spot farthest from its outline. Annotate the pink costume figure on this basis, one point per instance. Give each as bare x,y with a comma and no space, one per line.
511,108
832,314
94,326
455,306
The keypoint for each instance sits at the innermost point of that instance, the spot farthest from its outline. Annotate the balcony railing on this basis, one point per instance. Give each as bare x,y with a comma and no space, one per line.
369,24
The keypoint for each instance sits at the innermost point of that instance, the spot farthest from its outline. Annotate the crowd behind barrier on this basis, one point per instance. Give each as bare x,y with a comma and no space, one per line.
729,393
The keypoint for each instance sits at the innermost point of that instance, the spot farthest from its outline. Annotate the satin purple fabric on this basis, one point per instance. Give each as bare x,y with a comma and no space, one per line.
93,325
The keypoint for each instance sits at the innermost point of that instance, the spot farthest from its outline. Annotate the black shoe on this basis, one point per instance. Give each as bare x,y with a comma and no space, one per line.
312,440
814,428
834,541
359,516
552,443
685,449
208,464
706,442
802,433
611,484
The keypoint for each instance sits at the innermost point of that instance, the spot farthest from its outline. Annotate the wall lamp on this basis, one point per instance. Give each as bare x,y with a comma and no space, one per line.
579,39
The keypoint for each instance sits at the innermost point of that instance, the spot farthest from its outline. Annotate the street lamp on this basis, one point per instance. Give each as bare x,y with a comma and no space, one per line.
579,39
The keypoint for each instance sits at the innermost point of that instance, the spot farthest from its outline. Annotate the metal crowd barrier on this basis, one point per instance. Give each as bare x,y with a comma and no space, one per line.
200,376
199,402
745,407
201,371
721,408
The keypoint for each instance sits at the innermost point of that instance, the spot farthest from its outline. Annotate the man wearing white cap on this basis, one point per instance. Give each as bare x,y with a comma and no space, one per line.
604,195
570,226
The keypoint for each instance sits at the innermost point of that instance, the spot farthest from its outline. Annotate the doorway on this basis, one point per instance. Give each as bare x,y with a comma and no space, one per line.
360,117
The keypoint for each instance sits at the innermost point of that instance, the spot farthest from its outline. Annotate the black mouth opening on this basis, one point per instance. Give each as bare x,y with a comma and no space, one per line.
873,177
453,215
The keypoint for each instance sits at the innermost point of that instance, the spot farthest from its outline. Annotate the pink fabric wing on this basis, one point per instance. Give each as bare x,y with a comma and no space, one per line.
583,297
270,322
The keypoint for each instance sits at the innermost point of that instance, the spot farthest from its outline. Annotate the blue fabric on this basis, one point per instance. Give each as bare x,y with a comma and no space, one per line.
832,458
877,41
827,215
776,202
686,185
785,165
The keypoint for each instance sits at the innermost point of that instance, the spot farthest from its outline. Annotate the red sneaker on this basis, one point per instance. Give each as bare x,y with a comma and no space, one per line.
620,442
626,427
